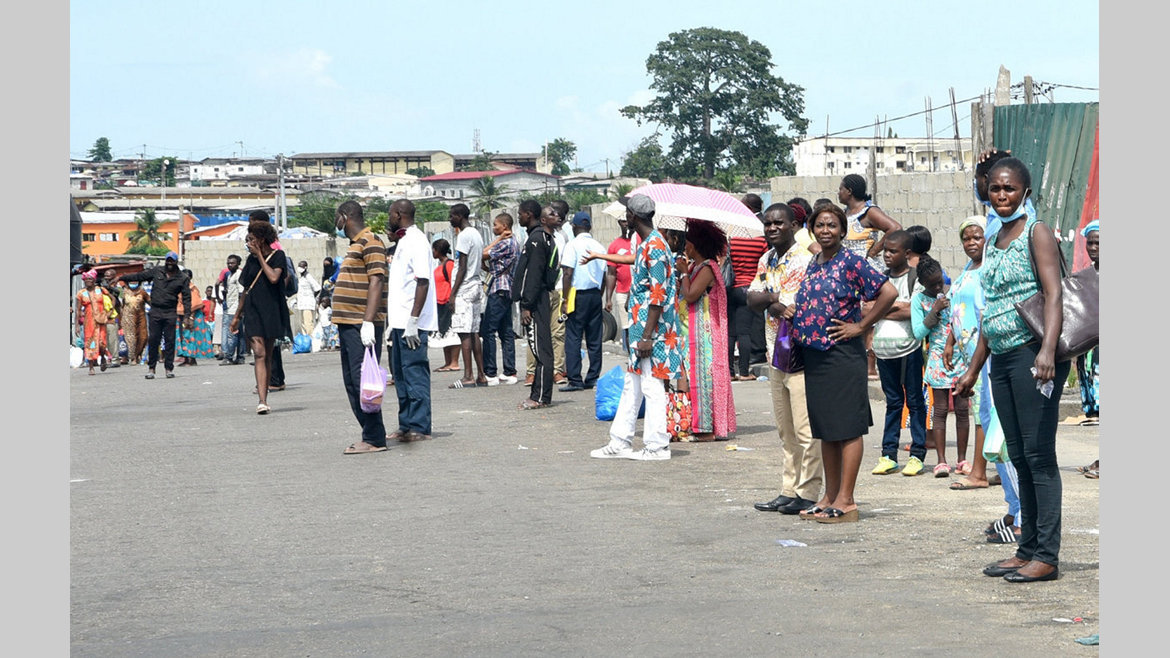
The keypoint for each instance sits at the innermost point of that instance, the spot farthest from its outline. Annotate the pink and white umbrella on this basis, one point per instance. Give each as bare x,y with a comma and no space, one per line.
674,203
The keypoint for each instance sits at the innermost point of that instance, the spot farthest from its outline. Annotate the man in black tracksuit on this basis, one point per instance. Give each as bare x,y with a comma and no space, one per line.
536,275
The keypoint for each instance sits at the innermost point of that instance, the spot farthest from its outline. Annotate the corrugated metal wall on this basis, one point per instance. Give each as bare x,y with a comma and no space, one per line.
1056,141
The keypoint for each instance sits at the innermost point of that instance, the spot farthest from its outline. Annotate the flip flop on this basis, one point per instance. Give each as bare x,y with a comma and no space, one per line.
964,485
834,515
442,369
529,404
459,383
361,448
1089,422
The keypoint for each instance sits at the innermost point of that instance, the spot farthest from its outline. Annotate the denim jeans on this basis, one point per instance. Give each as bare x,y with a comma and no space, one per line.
1029,423
902,384
349,338
233,344
497,319
412,382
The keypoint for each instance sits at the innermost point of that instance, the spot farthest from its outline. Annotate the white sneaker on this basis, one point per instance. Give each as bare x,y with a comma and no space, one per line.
508,379
648,455
493,381
613,450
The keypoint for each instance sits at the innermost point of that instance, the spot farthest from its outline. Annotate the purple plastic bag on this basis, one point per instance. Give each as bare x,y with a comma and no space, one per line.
373,382
786,354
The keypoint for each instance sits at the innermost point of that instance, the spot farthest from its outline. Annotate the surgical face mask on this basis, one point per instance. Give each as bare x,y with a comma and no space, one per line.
133,286
341,234
1020,210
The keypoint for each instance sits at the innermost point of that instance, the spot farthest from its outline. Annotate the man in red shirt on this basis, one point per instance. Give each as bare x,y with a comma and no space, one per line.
745,327
617,282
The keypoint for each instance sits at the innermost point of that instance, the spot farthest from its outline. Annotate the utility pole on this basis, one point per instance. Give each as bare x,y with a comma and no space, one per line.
1028,90
825,167
929,134
283,211
958,142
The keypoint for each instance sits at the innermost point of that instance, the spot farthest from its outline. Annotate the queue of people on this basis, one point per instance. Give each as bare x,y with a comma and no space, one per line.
830,313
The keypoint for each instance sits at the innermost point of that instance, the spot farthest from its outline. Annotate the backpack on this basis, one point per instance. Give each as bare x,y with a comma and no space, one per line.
291,283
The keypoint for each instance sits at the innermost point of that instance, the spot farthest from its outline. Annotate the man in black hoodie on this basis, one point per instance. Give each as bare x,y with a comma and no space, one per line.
536,275
167,286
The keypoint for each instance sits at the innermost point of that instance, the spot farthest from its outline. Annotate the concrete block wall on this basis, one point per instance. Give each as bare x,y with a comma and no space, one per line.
205,258
939,201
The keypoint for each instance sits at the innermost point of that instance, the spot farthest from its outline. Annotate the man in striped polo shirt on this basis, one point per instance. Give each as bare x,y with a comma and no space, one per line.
359,312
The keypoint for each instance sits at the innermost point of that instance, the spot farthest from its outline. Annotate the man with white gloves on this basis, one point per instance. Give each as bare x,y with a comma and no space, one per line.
412,315
359,312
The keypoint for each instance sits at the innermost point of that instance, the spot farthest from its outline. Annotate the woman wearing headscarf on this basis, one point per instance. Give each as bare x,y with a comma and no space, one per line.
1089,364
1026,379
194,343
91,308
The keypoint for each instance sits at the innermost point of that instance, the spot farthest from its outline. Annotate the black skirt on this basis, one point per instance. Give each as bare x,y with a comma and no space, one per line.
836,386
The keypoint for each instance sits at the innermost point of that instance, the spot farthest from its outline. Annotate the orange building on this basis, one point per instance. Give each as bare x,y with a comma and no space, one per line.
104,233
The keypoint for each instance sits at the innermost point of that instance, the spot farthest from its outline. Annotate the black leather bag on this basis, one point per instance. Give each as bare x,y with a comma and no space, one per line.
1080,296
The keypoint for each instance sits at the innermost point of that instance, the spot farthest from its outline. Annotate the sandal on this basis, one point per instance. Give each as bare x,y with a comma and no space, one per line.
942,470
362,448
963,467
834,515
262,409
531,404
1094,474
1089,467
807,514
1004,533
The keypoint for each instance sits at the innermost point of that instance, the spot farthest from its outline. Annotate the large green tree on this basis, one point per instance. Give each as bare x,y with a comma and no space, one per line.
146,238
487,195
560,152
101,151
317,211
152,170
647,160
716,96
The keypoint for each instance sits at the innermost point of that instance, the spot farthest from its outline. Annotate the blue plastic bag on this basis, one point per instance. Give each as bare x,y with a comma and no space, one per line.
302,344
608,394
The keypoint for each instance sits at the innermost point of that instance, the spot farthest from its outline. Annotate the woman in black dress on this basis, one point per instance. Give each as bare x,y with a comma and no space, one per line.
262,308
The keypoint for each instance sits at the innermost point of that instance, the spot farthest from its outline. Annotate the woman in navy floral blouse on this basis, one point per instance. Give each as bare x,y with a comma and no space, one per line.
831,329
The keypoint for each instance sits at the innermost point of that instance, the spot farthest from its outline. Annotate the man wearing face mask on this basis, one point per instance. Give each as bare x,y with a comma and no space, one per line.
168,285
306,299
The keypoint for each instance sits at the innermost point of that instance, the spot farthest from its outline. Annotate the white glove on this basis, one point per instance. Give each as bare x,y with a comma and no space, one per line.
368,334
410,334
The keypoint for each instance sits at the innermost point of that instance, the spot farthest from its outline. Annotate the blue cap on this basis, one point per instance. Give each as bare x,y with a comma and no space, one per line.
1094,225
582,219
171,254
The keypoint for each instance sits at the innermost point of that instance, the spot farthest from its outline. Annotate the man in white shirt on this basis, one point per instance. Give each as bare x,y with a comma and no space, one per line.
306,299
411,314
233,344
467,291
584,283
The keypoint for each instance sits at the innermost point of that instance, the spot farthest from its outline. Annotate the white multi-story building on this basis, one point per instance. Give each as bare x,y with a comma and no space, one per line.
840,156
227,168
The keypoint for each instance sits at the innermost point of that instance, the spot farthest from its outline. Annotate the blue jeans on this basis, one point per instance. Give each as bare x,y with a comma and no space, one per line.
902,384
497,318
412,381
349,337
233,346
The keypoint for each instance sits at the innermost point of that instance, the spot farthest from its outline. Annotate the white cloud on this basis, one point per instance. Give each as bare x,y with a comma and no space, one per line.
304,67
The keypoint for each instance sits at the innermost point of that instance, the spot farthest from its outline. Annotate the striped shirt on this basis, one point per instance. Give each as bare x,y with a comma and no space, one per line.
366,257
745,259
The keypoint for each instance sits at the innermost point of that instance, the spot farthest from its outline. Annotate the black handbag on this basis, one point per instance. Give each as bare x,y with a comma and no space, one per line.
1080,309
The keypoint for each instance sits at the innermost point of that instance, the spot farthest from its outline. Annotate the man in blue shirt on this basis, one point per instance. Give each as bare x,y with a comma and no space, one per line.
584,283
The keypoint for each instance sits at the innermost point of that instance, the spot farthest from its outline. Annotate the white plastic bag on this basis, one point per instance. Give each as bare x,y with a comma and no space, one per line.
76,356
373,382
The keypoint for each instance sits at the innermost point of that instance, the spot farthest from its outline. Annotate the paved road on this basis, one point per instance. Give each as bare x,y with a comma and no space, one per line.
201,529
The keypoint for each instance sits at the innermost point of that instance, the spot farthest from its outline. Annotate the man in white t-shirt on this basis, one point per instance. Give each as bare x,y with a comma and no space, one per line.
467,291
306,299
411,313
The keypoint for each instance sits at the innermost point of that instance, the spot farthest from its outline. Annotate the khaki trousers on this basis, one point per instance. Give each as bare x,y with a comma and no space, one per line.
803,470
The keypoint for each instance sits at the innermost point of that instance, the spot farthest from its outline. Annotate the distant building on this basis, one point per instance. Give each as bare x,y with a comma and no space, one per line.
370,162
457,184
104,233
840,156
210,169
533,161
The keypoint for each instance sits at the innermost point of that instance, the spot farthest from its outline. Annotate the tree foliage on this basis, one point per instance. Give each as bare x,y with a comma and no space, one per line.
646,161
578,199
146,238
152,170
421,172
101,151
560,152
481,162
716,95
317,211
619,190
487,195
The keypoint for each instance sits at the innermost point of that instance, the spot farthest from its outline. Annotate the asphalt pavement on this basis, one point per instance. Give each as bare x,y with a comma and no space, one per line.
198,528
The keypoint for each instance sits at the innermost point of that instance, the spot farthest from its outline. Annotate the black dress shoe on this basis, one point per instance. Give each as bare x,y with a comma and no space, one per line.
797,506
1017,577
775,504
995,571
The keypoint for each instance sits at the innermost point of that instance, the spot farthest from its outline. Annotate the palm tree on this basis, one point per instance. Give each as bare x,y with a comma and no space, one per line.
619,190
147,236
487,195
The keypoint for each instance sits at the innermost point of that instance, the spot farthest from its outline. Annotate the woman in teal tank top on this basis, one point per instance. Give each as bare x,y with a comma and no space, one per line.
1022,367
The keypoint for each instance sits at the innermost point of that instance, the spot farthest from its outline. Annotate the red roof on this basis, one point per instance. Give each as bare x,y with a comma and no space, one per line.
474,175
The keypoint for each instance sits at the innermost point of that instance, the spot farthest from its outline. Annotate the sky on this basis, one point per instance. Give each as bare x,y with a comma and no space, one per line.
250,78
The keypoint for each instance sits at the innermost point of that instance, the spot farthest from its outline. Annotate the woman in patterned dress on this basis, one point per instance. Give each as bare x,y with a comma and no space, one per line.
134,301
90,311
712,405
195,343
